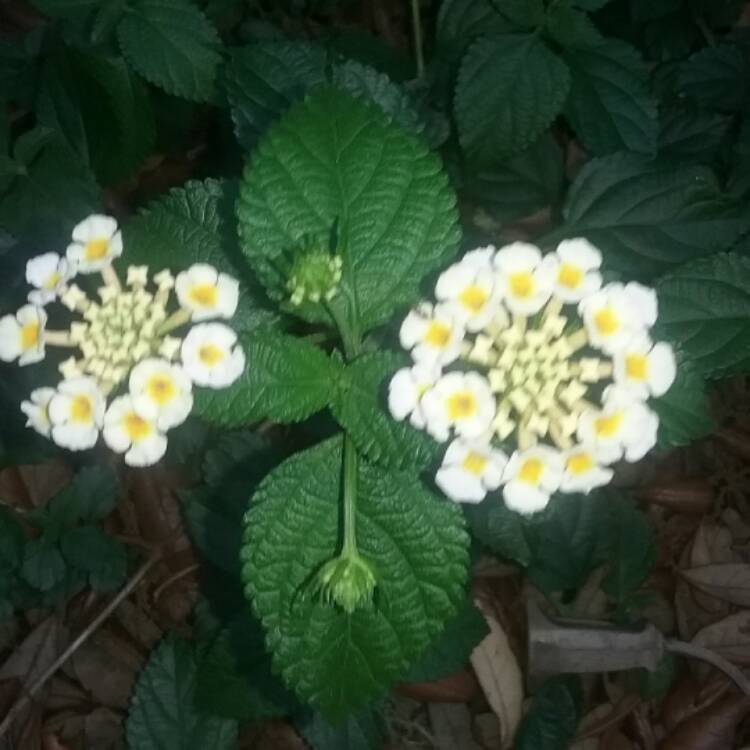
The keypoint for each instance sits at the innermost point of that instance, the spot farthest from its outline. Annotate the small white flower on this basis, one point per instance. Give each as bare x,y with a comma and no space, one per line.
206,292
470,470
582,471
531,477
624,427
137,276
405,392
432,334
162,392
22,335
524,282
127,432
212,356
49,274
463,401
644,368
574,268
76,412
36,410
616,313
96,243
469,289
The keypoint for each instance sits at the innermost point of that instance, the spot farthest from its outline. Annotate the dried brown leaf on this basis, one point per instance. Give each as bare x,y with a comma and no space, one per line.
451,726
37,652
729,637
712,728
693,496
460,687
34,485
729,582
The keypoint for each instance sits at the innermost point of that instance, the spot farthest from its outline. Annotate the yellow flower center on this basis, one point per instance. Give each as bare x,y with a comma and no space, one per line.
29,335
606,321
474,464
461,405
521,284
636,366
204,295
473,297
81,409
531,471
608,427
580,463
161,388
569,276
96,249
135,427
51,281
437,335
210,354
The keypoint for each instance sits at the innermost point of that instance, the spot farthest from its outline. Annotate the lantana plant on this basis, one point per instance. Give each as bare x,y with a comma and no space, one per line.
133,375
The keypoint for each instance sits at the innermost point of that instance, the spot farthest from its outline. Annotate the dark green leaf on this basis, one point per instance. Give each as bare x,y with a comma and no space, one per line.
73,9
553,717
590,4
287,379
712,77
692,136
335,161
610,106
173,45
103,557
43,566
12,539
500,529
571,28
360,731
163,713
509,90
91,496
417,544
353,43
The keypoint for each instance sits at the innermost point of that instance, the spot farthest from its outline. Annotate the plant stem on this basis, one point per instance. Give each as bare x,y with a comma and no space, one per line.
350,495
175,320
416,25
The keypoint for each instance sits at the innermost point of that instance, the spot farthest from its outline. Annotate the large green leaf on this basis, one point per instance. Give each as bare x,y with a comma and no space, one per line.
91,496
417,543
501,529
609,105
287,379
361,731
102,557
337,163
195,224
173,45
162,711
553,716
360,407
648,217
509,90
43,566
571,27
691,135
705,306
710,77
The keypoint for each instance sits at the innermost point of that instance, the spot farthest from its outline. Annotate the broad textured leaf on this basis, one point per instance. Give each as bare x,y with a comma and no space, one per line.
509,90
553,716
705,306
287,379
263,79
353,43
360,407
196,224
12,538
450,651
647,216
590,4
335,161
361,731
43,566
172,45
609,105
241,455
527,182
91,496
500,529
710,77
691,135
571,27
162,711
417,543
99,555
73,9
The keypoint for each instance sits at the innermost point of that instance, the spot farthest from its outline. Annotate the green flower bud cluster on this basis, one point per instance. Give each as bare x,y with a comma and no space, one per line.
314,276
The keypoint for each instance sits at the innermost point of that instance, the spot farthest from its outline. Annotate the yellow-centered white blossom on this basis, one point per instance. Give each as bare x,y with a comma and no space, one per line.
583,471
574,269
406,389
96,243
644,368
531,477
76,413
433,334
212,356
470,470
49,273
127,432
161,392
206,292
523,282
22,335
36,410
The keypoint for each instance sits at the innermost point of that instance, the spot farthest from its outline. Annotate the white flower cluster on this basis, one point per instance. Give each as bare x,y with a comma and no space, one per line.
125,344
549,365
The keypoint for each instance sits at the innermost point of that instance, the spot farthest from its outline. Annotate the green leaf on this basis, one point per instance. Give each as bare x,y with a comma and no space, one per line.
43,566
417,544
684,410
234,677
590,4
630,547
173,45
647,216
500,529
12,539
553,717
522,14
451,650
570,27
162,711
362,730
710,77
287,379
360,407
610,106
335,161
705,305
91,496
240,456
103,557
73,9
509,90
692,136
262,80
196,224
